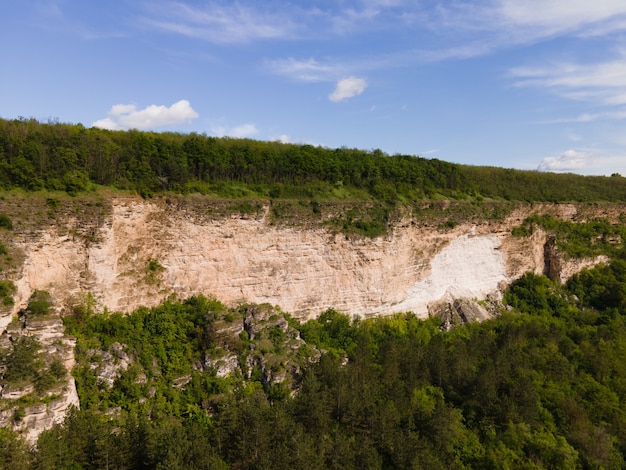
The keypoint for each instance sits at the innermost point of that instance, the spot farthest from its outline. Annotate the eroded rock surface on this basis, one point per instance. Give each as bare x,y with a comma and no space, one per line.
50,406
144,251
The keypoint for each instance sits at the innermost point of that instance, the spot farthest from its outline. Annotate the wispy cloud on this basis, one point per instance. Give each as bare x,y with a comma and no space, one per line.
127,116
459,30
552,17
617,115
240,131
307,70
352,20
501,24
55,16
570,160
348,88
245,21
220,23
586,161
598,83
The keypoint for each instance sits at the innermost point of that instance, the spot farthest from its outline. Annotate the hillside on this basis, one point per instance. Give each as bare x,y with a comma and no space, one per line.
167,280
72,158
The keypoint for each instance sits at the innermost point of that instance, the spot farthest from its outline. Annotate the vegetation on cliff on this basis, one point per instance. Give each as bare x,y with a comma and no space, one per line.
584,239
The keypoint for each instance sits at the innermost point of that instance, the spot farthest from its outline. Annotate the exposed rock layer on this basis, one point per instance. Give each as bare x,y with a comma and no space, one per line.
50,334
144,251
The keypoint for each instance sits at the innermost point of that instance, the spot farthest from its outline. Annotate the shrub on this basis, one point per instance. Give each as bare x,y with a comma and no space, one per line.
21,362
5,222
40,303
7,289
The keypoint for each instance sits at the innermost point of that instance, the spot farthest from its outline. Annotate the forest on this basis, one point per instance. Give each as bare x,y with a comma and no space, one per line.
70,157
542,385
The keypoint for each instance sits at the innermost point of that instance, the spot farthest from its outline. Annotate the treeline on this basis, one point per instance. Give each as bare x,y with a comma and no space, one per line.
542,386
67,157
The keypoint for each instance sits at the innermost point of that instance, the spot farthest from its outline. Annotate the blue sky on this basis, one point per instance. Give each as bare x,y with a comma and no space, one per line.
530,84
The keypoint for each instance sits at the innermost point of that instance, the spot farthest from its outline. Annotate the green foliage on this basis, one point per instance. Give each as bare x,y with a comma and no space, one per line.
578,240
602,287
57,369
40,303
331,331
154,265
5,222
153,269
7,290
58,156
14,451
22,362
370,221
536,295
163,341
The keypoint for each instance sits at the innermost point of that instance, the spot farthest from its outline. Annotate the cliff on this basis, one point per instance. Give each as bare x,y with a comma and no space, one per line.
128,252
144,251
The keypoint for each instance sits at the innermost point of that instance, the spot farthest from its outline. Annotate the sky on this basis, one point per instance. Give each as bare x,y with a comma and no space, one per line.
528,84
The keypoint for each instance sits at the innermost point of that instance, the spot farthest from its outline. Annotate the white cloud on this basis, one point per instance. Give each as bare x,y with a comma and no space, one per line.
242,131
599,75
558,16
348,88
617,115
119,109
220,23
127,116
570,160
283,139
428,152
598,83
308,70
107,123
590,161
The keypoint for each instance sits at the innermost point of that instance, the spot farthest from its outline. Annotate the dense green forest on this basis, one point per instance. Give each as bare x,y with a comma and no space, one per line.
540,386
72,158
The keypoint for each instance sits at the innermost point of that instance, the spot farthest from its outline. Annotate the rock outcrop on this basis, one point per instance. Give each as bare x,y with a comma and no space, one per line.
51,407
144,251
552,259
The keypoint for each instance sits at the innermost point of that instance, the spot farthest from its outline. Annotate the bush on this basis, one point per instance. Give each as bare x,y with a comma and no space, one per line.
21,363
40,303
5,222
7,289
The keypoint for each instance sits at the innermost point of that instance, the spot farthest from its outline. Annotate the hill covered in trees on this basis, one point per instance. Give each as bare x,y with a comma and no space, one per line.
72,158
541,386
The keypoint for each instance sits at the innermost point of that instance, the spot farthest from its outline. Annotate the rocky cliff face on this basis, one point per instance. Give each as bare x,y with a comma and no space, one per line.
144,251
46,408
